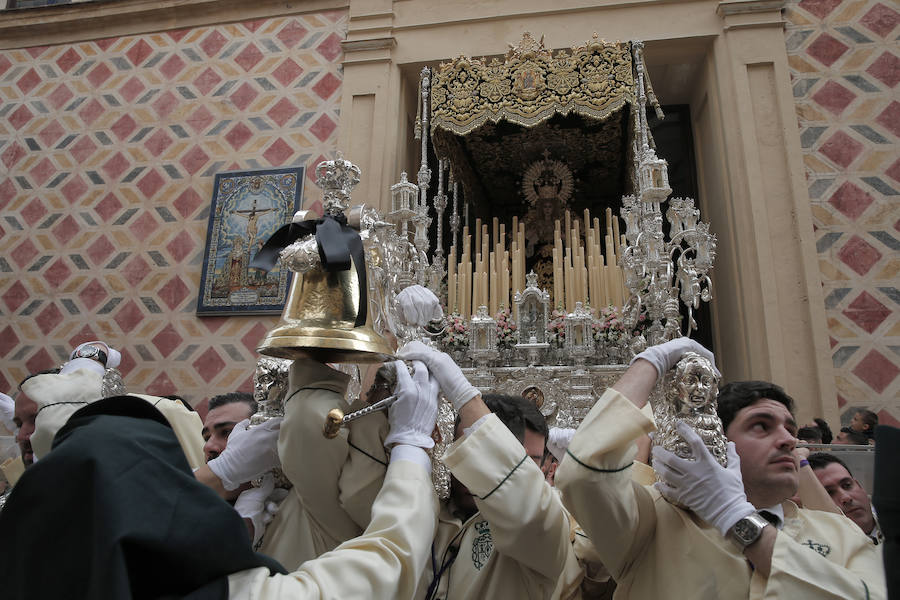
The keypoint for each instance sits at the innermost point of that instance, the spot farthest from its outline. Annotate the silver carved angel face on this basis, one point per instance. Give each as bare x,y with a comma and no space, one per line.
691,388
269,386
696,384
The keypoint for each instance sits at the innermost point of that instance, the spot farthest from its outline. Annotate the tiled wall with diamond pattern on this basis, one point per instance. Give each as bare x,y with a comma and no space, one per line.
108,150
845,66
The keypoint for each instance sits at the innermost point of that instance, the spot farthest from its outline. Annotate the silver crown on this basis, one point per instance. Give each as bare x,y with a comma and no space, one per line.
336,178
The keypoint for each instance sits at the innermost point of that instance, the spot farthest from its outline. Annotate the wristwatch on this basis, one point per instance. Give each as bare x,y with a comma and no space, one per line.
92,352
747,530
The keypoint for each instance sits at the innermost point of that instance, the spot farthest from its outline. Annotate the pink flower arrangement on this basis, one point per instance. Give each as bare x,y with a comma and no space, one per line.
506,329
456,333
608,328
556,328
642,324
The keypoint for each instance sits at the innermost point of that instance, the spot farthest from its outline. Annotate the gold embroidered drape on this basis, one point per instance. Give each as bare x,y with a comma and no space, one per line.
531,85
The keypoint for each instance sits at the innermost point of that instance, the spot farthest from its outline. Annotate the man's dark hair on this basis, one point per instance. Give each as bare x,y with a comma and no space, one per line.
868,418
740,394
810,435
517,414
820,460
856,438
223,399
825,429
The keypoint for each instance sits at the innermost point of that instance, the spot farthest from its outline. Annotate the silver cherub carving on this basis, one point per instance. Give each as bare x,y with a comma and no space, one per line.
691,388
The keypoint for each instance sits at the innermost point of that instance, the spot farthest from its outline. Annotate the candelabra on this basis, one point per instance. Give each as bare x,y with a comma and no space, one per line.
659,271
440,203
454,216
423,178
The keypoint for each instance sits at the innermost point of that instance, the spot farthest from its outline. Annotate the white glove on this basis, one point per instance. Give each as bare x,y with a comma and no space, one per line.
7,412
248,453
558,441
419,305
412,416
251,504
664,356
713,492
453,383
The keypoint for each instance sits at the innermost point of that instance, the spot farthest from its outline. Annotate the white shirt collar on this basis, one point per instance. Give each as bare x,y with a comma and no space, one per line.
776,511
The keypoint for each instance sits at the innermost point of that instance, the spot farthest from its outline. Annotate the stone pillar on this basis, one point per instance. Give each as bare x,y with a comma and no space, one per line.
769,312
371,100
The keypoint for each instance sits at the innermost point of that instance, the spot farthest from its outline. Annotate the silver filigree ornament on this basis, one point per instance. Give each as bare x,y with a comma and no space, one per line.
660,271
337,178
440,473
270,384
303,255
112,384
691,388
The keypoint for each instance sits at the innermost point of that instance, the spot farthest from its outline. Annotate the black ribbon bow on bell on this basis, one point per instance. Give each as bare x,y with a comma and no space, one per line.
337,242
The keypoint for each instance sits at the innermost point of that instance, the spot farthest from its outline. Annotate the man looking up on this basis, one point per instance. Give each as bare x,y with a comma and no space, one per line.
720,545
225,411
846,492
505,533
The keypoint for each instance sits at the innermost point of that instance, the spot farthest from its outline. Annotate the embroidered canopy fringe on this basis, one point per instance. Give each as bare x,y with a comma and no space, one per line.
532,84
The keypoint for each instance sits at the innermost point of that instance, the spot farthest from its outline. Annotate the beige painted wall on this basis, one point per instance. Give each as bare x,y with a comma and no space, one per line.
727,59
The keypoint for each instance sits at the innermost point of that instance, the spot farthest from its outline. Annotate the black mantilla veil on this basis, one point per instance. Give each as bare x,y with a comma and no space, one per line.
114,511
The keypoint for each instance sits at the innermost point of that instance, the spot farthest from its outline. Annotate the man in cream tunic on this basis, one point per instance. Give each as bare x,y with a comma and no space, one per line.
655,550
79,382
517,543
334,481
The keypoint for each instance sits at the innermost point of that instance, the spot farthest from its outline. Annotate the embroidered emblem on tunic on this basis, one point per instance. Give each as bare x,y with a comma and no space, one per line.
823,549
482,545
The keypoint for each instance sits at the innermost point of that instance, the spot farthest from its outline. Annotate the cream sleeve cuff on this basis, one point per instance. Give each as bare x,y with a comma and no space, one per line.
412,454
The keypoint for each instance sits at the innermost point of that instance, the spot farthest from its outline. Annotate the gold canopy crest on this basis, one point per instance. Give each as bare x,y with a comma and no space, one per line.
532,84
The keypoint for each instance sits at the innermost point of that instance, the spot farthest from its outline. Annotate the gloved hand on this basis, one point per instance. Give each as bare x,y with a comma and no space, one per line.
113,359
251,504
248,454
558,441
412,416
714,493
419,305
664,356
453,383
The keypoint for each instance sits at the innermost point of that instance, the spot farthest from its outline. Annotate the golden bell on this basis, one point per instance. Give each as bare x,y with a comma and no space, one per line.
318,321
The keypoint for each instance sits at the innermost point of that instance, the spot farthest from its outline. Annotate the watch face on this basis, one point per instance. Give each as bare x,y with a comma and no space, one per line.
745,529
748,529
87,352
